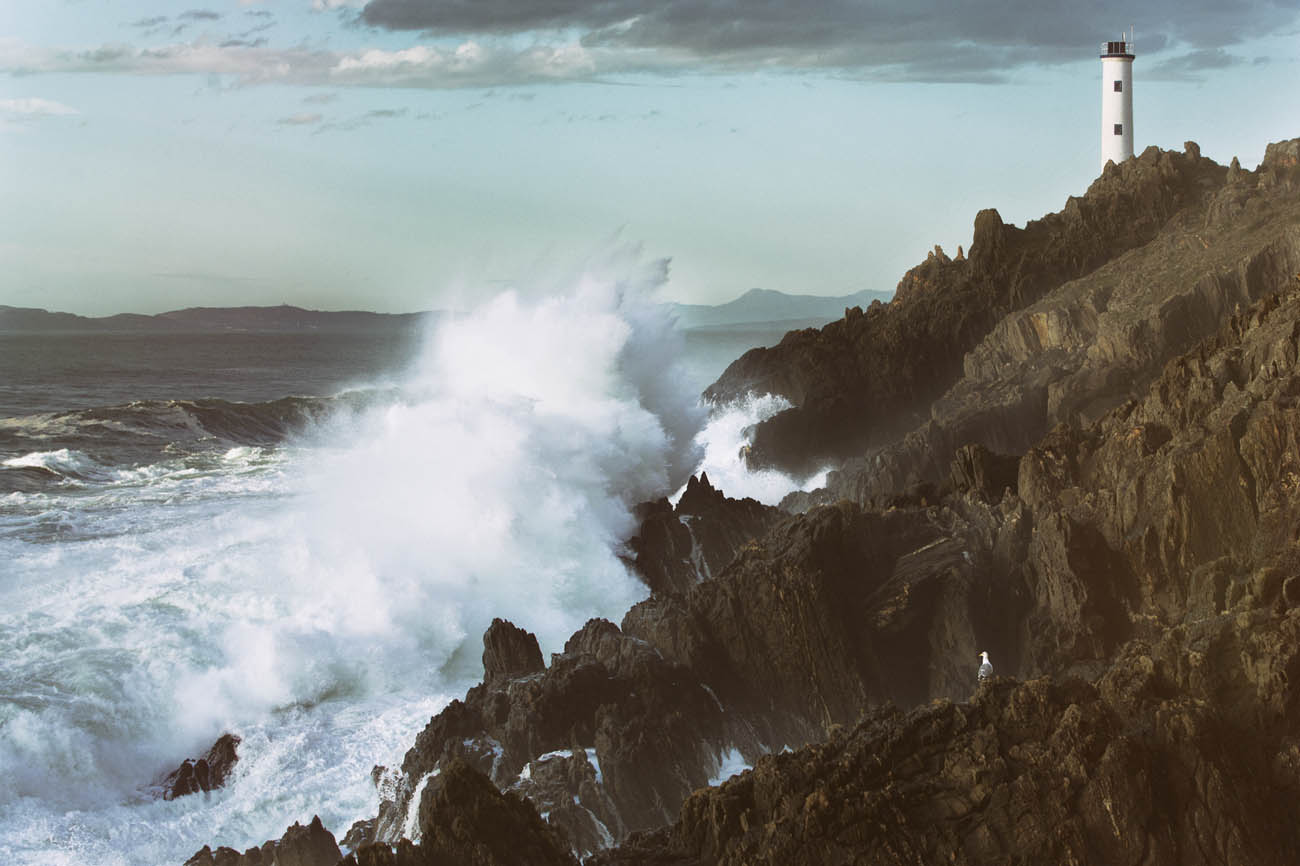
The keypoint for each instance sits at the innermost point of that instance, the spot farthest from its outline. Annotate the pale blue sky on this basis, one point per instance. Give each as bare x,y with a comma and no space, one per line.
414,154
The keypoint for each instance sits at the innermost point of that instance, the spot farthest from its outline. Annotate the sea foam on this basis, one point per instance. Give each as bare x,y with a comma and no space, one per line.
324,596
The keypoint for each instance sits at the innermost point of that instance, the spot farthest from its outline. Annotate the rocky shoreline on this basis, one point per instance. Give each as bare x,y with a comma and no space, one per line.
1077,448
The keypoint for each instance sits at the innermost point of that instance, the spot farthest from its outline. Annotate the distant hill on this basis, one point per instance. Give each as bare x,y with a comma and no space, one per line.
755,306
281,319
767,305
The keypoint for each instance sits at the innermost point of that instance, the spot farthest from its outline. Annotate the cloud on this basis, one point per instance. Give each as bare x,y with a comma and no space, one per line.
488,43
34,106
1189,66
978,40
361,120
146,23
199,15
469,64
304,119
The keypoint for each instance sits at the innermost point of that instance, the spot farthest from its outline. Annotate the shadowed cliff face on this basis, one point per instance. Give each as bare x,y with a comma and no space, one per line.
1035,772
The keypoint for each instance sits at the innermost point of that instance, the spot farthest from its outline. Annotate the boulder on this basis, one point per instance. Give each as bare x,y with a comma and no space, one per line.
205,773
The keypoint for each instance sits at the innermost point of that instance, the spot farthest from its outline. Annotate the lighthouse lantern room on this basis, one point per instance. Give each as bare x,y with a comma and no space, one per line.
1117,100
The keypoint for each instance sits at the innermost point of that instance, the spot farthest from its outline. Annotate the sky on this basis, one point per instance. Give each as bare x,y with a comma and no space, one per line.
400,155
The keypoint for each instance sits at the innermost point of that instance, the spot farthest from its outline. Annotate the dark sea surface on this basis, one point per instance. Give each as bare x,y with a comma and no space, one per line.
61,372
295,537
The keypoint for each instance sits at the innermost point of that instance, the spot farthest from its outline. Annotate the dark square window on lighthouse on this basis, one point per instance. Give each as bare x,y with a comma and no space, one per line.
1119,129
1119,86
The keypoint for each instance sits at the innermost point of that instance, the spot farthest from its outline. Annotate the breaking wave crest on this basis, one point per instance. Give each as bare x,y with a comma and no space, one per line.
723,441
316,574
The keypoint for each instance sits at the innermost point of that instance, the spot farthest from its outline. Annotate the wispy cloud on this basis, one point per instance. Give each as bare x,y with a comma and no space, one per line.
1193,64
34,106
469,64
362,120
303,119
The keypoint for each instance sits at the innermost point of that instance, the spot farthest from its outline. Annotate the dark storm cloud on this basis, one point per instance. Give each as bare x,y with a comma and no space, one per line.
912,39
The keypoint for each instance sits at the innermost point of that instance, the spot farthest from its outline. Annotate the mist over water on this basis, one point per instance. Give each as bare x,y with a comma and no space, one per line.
315,574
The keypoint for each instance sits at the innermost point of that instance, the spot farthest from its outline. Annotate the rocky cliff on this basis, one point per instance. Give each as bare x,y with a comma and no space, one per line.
1198,238
1157,565
1090,469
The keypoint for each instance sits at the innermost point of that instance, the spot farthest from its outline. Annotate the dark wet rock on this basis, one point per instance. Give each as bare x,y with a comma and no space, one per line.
843,608
628,732
205,773
464,819
1036,772
975,468
677,548
575,797
312,845
509,652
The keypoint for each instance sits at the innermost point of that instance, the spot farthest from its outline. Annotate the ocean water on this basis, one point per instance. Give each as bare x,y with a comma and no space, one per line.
300,538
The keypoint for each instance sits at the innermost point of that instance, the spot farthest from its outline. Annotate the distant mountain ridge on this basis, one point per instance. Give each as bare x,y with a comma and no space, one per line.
768,305
280,319
756,305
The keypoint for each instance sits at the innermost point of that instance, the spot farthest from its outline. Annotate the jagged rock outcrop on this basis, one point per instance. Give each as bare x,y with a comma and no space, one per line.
975,468
312,845
204,773
837,610
509,652
1036,772
676,548
611,737
1098,341
464,819
873,376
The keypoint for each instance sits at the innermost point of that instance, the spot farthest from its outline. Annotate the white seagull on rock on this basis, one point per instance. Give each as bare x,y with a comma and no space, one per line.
986,669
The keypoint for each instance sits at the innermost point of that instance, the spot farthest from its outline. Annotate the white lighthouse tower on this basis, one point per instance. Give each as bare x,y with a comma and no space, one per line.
1117,100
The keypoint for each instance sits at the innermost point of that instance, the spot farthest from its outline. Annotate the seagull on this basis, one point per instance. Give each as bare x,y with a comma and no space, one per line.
986,669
